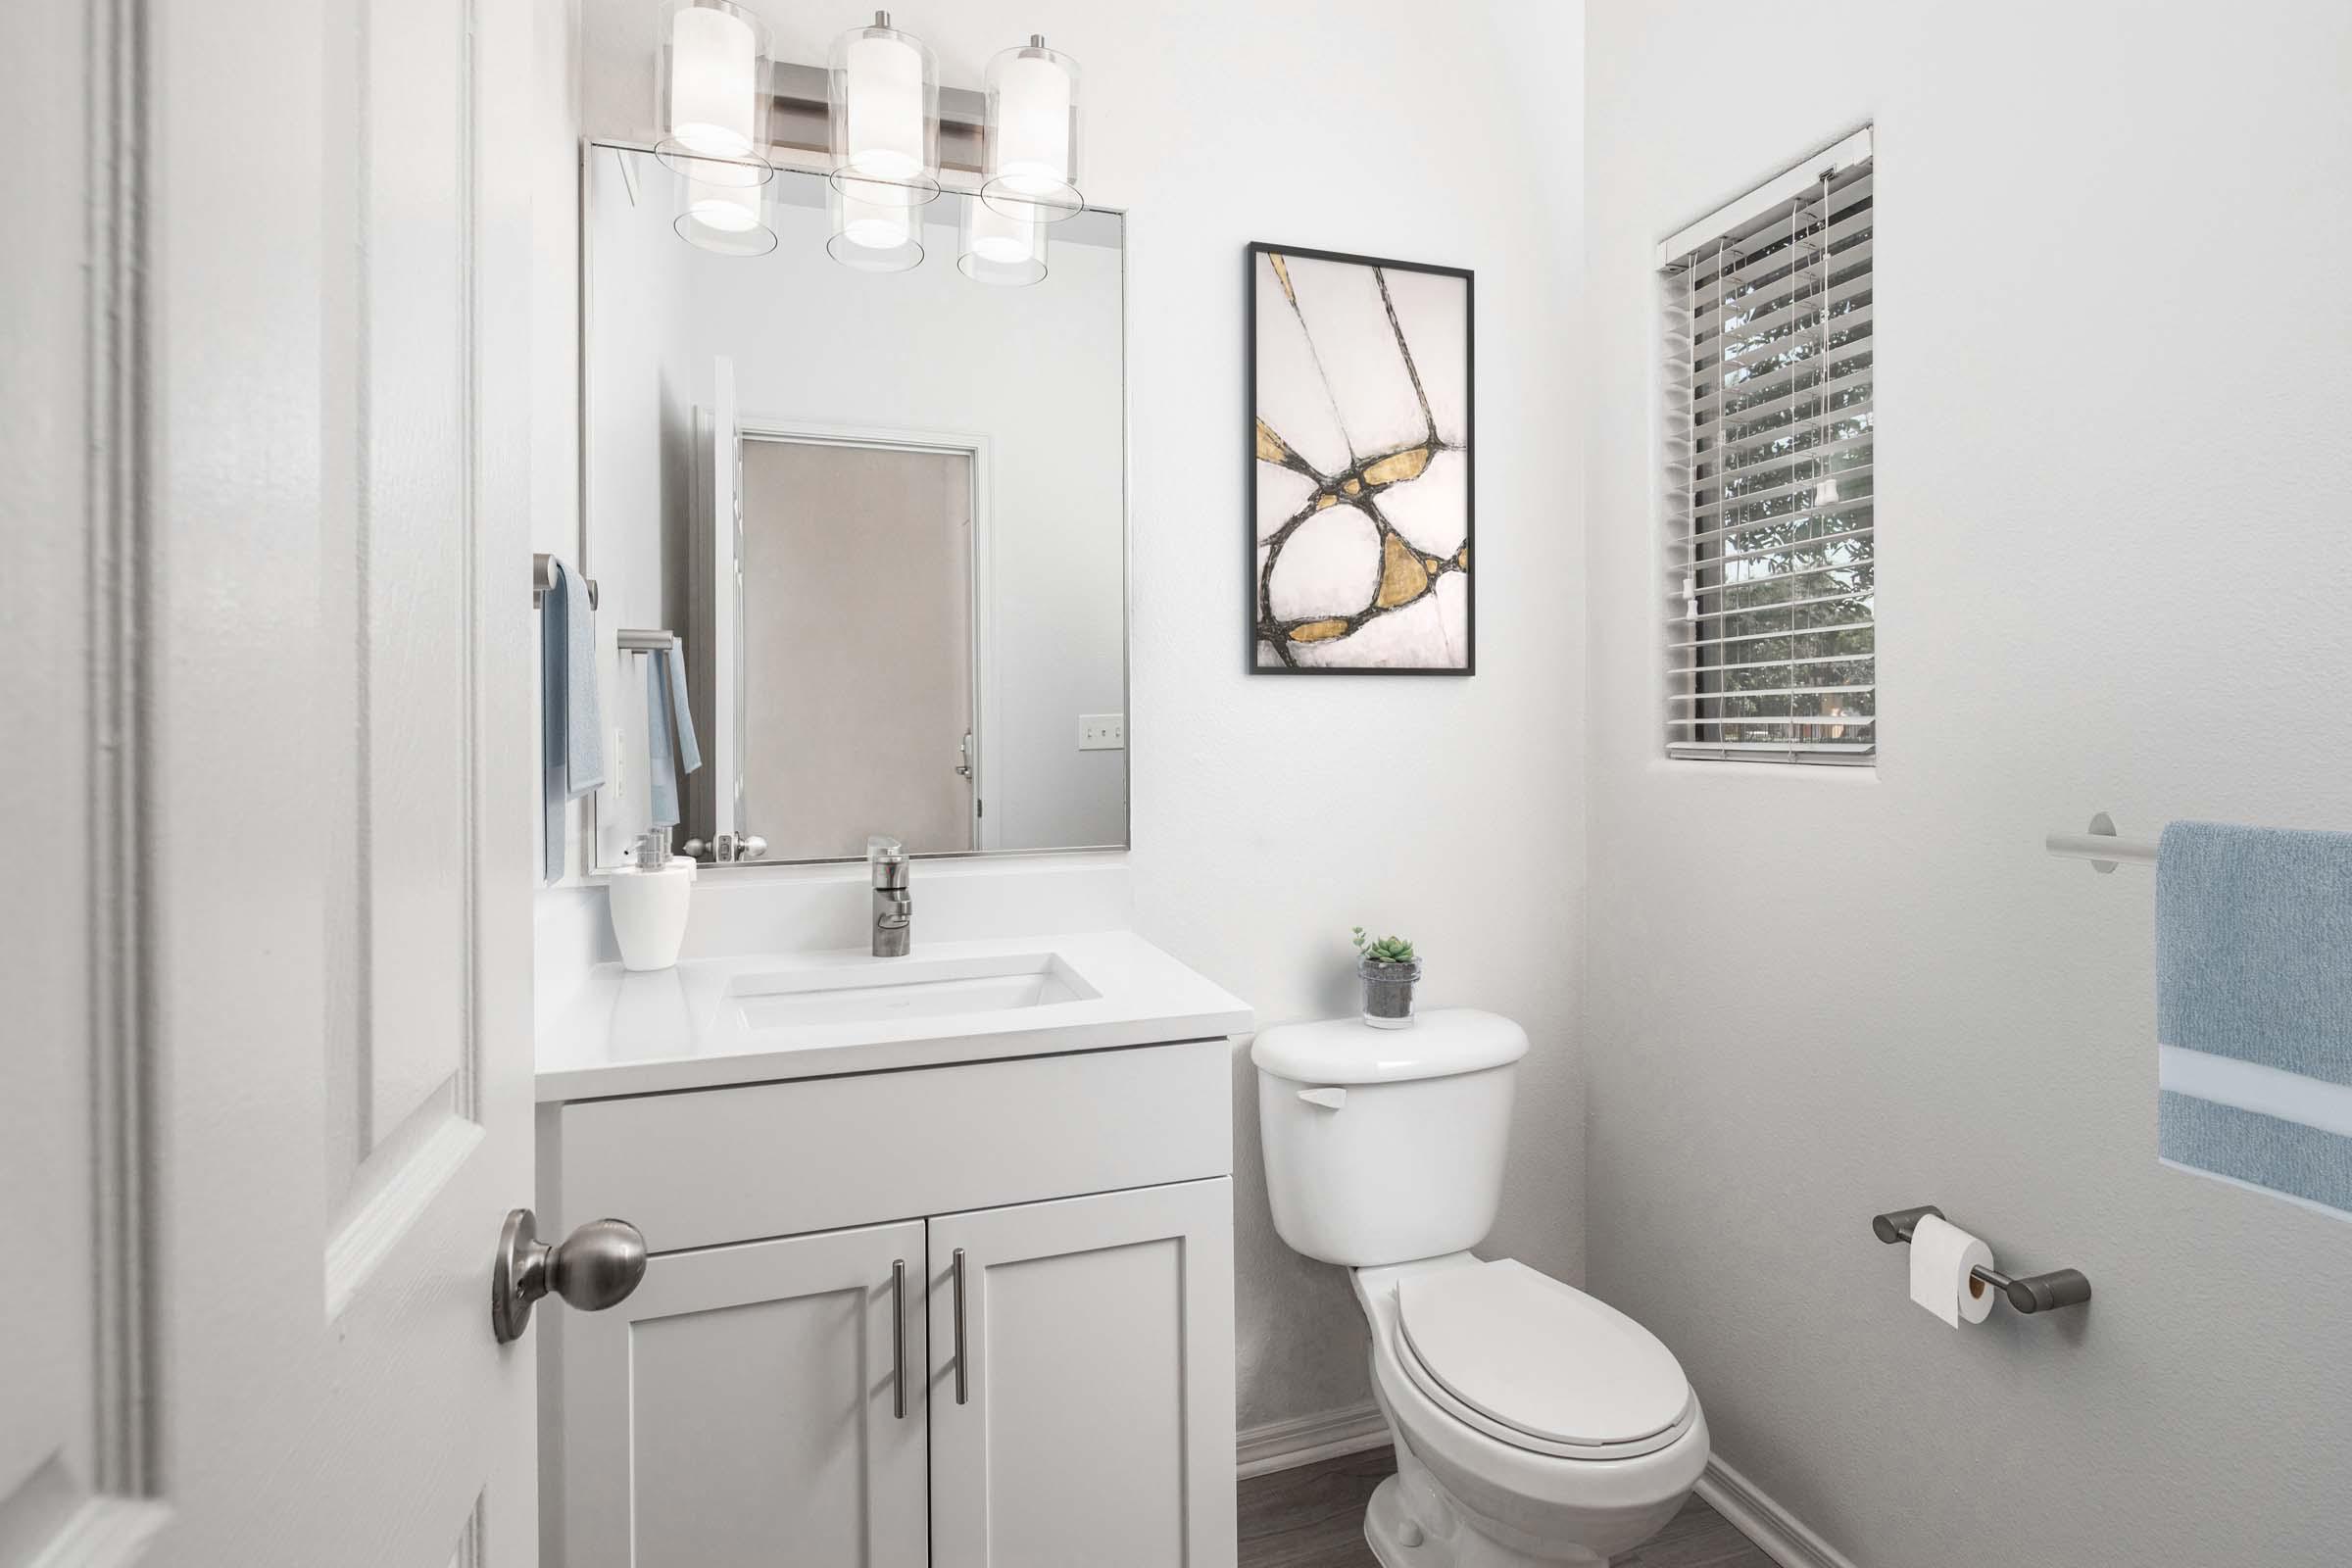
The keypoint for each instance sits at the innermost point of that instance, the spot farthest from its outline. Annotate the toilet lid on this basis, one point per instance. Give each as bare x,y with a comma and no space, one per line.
1542,1357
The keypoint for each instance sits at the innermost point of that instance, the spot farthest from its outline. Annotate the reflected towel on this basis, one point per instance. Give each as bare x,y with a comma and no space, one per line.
570,718
669,732
2254,1009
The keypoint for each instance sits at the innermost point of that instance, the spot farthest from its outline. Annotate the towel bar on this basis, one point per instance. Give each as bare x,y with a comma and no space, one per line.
2032,1292
543,577
658,641
2101,847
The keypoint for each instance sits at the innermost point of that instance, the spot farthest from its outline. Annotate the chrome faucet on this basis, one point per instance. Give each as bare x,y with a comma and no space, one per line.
894,904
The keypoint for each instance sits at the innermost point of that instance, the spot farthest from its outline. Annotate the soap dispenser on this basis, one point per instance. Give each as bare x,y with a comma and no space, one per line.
647,897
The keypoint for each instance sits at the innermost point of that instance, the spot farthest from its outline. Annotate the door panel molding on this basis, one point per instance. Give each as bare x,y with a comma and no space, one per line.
80,1473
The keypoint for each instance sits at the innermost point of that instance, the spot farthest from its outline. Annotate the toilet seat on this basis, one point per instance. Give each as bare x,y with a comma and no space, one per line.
1538,1364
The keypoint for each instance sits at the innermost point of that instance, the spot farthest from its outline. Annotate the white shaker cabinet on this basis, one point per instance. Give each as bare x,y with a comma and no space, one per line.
1082,1413
753,1404
743,1408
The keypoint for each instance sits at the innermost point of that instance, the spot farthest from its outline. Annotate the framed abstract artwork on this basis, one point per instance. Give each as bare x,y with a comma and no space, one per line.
1361,494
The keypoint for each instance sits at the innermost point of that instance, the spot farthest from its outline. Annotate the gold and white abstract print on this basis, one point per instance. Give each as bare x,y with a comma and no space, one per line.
1361,407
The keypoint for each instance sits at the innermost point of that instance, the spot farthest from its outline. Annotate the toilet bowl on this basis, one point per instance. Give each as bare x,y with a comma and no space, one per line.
1534,1424
1474,1488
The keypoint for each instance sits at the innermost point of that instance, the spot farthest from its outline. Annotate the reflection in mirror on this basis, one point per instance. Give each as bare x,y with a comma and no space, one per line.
884,511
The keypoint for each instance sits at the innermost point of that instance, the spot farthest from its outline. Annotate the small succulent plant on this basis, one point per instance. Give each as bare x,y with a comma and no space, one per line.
1382,950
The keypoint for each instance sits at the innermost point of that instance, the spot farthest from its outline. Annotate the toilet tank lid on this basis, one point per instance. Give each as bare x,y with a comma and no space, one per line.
1441,1042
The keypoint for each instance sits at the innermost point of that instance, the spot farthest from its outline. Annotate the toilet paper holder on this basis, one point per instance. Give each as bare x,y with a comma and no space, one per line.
2030,1293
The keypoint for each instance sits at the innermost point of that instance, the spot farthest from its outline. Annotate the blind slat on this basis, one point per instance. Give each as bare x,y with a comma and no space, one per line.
1771,664
1780,459
1771,318
1807,336
1776,691
1801,631
1783,721
1848,358
1678,571
1752,498
1831,513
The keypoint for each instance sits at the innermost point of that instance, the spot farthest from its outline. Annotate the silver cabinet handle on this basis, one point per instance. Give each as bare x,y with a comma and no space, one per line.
898,1338
963,1386
595,1267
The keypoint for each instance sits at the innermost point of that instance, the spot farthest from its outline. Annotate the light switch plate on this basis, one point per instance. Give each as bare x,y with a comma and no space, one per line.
1101,732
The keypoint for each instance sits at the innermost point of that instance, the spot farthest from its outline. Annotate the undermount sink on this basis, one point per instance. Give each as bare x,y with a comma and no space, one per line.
907,987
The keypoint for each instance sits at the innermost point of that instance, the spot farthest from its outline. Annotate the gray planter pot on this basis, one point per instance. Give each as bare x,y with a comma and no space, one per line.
1389,993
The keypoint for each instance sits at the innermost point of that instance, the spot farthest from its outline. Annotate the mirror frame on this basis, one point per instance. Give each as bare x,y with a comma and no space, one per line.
592,867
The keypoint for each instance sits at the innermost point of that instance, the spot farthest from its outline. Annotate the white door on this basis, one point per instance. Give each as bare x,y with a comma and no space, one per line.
272,1099
753,1406
1082,1382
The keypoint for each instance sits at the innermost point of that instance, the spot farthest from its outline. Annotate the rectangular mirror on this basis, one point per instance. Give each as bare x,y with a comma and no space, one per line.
884,512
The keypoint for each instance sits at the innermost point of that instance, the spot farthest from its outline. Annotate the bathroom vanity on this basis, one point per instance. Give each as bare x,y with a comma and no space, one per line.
940,1245
941,1260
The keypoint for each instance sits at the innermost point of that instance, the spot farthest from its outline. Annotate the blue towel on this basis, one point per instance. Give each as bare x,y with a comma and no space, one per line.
669,731
572,723
2254,1009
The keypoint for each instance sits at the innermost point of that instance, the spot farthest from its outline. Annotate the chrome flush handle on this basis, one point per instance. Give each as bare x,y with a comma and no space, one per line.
595,1267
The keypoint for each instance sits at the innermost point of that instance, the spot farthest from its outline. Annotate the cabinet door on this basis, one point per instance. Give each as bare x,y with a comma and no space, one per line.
743,1409
1093,1422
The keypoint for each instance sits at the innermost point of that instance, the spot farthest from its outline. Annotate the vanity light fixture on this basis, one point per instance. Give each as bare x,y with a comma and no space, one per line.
1031,165
875,228
1001,248
715,95
883,91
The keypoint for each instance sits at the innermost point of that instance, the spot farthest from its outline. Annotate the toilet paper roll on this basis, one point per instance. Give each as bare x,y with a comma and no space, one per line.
1941,1254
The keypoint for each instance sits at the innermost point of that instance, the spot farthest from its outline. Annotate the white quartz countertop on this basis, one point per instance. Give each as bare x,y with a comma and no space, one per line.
711,1022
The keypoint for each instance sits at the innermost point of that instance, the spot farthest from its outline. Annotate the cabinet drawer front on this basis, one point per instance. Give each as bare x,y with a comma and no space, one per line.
778,1159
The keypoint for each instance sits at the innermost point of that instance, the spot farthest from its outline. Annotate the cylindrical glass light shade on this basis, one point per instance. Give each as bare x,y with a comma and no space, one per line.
884,91
876,228
720,213
714,93
1001,248
1031,168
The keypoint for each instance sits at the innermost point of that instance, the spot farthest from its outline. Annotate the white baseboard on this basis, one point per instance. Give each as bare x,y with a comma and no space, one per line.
1303,1439
1782,1535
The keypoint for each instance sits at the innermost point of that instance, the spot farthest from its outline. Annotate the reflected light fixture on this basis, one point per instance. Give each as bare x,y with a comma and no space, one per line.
876,228
715,98
883,91
1001,248
718,212
1031,165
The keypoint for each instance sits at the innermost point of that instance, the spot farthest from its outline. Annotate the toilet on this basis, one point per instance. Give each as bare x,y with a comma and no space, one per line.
1532,1423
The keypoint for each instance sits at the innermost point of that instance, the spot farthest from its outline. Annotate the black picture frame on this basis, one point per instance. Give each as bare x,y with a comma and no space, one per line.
1253,599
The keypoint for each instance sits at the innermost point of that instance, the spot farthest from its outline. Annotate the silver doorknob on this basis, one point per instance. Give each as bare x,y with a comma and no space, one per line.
595,1267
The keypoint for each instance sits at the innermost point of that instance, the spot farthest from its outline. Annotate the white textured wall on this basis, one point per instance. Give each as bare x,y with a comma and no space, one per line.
1270,815
2112,478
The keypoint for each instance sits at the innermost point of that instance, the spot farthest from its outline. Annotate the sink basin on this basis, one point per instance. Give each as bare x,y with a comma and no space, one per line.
895,989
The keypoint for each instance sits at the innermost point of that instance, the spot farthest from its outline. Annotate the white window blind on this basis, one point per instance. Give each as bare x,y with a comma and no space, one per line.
1771,628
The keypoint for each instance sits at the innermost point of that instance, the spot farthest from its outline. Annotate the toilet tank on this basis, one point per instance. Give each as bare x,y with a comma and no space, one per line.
1384,1146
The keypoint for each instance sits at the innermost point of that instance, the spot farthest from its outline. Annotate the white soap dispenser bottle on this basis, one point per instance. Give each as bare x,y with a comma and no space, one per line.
649,898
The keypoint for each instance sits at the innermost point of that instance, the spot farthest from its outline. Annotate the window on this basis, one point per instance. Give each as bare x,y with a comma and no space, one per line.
1770,529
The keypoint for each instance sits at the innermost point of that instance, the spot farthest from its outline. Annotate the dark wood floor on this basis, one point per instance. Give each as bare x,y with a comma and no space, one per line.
1313,1517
